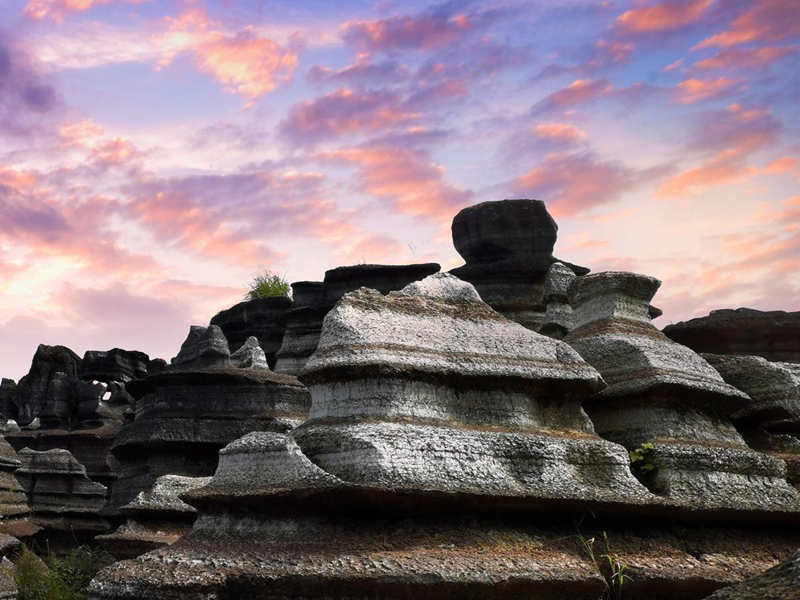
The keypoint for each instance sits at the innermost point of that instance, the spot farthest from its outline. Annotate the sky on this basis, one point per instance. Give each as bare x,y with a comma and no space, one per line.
156,155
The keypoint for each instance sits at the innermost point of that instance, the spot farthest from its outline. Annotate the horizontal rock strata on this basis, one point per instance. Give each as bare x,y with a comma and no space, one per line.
774,335
666,396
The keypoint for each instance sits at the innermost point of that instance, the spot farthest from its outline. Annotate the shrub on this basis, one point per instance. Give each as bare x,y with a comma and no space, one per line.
62,578
268,285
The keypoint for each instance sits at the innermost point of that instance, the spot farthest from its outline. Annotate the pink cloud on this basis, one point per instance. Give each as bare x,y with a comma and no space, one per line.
674,65
344,111
693,90
724,168
663,16
744,58
766,21
574,184
57,10
559,132
579,91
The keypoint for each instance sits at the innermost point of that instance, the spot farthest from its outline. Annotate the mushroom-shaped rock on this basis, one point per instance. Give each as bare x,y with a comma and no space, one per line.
155,518
508,249
558,320
14,509
666,400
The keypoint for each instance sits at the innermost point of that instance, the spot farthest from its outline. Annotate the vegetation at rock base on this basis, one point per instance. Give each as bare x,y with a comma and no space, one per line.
267,285
60,578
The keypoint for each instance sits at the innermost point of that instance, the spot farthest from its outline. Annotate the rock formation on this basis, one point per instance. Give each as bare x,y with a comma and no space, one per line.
62,497
14,509
669,403
185,414
114,365
774,335
558,319
264,318
8,397
508,250
781,582
33,389
771,422
155,518
313,300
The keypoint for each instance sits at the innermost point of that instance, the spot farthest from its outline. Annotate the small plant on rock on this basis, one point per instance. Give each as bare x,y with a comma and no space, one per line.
61,578
641,460
268,285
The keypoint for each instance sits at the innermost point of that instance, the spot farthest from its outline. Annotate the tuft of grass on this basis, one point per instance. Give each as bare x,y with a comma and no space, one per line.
267,285
60,578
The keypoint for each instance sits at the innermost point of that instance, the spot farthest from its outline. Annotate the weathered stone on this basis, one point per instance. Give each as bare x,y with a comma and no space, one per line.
781,582
8,396
664,394
8,588
774,335
508,249
113,365
204,347
14,509
156,366
558,319
249,356
33,388
62,497
155,518
313,300
184,417
264,318
771,422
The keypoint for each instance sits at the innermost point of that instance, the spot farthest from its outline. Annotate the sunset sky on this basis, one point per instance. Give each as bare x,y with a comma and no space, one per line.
155,155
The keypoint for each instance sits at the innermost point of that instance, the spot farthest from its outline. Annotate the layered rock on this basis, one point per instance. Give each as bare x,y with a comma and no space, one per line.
62,497
34,389
155,518
8,397
781,582
313,300
508,249
264,318
771,422
668,402
774,335
114,365
14,509
558,320
185,415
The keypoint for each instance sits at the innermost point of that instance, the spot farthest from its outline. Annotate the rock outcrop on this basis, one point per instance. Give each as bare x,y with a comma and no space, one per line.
313,300
14,509
264,318
669,403
155,518
185,414
781,582
63,499
34,389
508,250
771,422
774,335
8,398
113,365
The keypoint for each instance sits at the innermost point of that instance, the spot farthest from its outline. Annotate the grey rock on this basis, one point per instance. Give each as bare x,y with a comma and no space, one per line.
154,518
508,249
249,356
14,510
774,335
781,582
61,495
313,300
8,396
264,318
33,389
664,394
558,319
156,366
114,365
204,347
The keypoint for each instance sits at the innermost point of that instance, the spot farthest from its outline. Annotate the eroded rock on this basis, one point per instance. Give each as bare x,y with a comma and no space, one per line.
204,347
264,318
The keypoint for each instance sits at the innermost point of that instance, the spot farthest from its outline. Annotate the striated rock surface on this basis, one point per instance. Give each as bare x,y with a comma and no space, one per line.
774,335
8,397
62,497
203,347
155,518
508,249
185,415
781,582
113,365
665,395
313,300
264,318
558,320
14,509
33,390
771,422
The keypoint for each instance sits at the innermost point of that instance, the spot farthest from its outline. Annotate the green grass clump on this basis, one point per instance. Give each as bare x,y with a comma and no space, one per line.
60,578
268,285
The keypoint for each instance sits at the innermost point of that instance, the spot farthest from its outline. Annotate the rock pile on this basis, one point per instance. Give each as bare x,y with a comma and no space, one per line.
207,399
313,300
263,318
155,518
668,404
774,335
